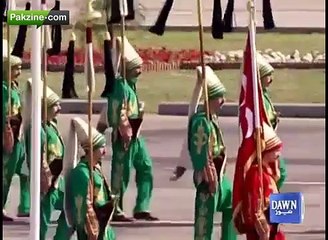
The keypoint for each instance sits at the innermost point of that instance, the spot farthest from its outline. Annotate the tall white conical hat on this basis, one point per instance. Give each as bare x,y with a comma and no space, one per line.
131,57
195,98
215,87
52,98
81,129
14,60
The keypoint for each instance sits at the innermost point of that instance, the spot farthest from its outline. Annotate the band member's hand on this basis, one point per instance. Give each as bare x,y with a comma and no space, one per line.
210,176
178,172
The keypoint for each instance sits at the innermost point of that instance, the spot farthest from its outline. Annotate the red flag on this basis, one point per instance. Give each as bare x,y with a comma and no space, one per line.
247,149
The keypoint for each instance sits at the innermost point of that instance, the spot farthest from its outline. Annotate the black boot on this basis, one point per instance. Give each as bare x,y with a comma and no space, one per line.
66,94
18,49
56,35
228,16
159,26
122,218
115,12
69,93
131,12
268,21
68,89
217,23
73,93
145,216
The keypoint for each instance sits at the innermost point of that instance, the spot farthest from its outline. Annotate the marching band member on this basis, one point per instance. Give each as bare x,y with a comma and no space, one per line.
89,202
12,129
248,220
129,148
52,149
266,71
208,155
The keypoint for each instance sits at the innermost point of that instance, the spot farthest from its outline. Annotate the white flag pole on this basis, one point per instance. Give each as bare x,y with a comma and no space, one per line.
36,129
258,129
252,33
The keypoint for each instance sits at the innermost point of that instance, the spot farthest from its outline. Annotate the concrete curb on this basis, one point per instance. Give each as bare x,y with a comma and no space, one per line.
145,224
231,109
295,30
79,106
174,66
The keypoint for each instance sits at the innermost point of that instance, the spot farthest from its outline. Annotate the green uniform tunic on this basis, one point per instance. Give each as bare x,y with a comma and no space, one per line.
136,156
200,130
274,122
12,163
54,198
79,179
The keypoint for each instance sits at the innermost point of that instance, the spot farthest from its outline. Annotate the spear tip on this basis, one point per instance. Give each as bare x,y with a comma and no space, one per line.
73,36
250,5
107,36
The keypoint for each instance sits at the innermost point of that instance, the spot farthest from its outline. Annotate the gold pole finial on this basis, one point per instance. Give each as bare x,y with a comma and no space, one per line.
92,14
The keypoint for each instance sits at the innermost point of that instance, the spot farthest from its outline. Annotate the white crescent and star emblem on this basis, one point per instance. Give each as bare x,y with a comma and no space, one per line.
248,112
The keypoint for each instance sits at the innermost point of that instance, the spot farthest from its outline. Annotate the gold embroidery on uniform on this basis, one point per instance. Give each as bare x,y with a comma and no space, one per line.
15,109
78,203
214,144
96,192
99,194
54,151
201,138
132,108
201,221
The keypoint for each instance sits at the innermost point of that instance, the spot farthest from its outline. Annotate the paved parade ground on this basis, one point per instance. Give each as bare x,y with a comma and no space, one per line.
173,201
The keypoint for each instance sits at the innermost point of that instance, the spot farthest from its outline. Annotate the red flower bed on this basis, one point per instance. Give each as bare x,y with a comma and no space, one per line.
149,55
